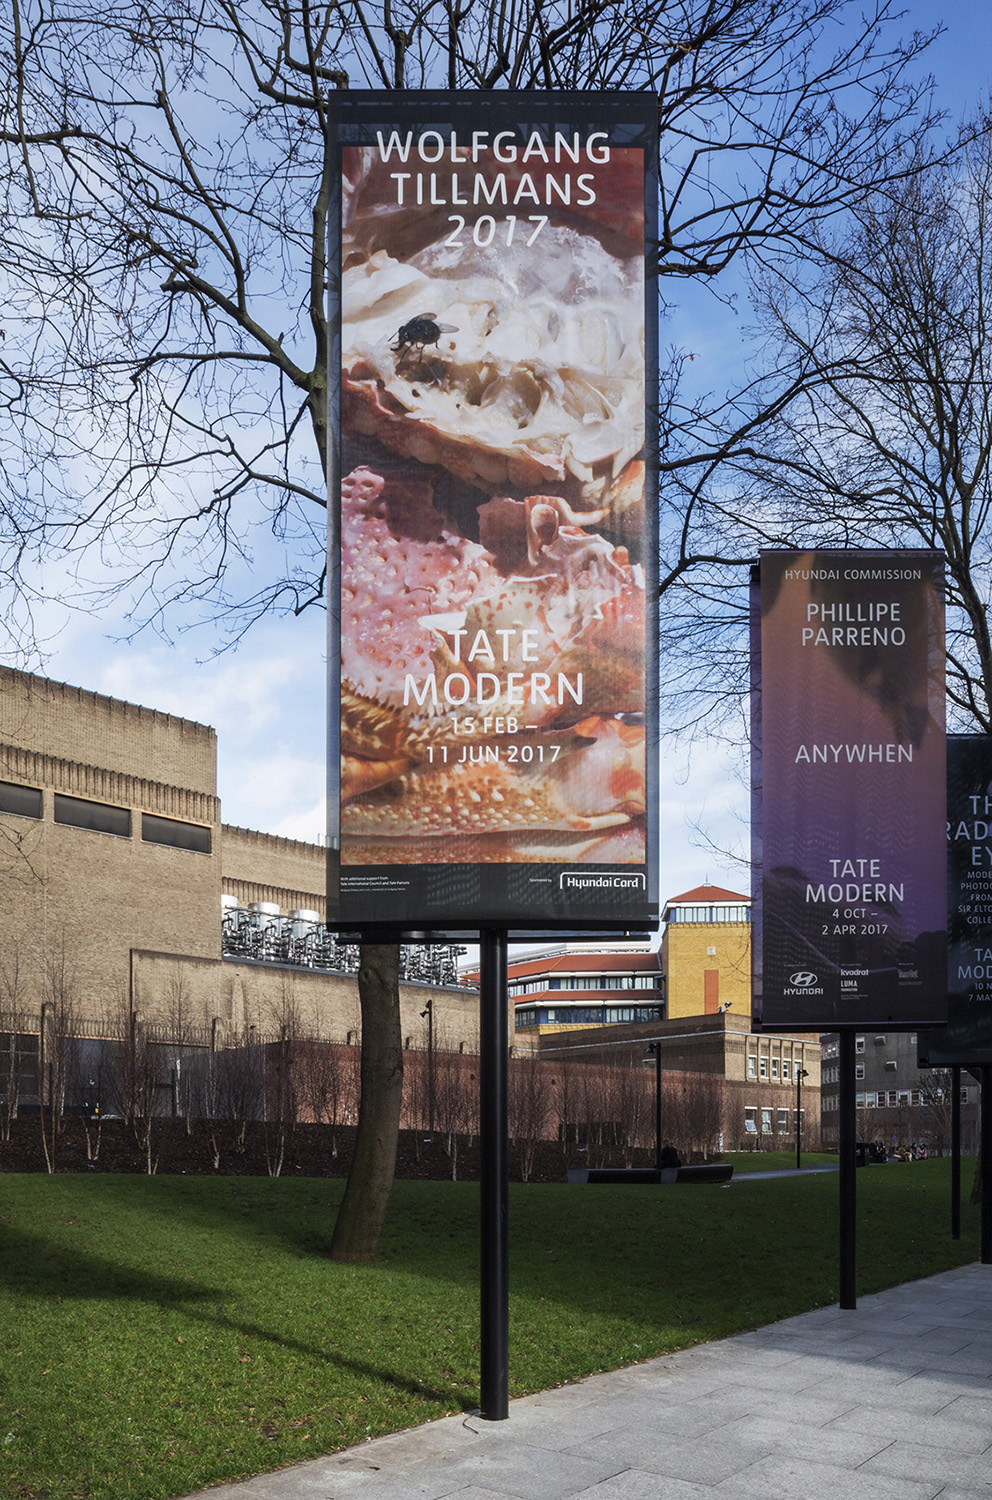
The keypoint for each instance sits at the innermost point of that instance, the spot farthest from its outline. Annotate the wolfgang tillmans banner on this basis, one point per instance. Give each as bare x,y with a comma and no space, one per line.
967,1038
850,790
495,568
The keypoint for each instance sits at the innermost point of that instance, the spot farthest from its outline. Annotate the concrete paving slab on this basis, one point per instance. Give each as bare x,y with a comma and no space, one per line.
825,1445
904,1460
795,1478
890,1401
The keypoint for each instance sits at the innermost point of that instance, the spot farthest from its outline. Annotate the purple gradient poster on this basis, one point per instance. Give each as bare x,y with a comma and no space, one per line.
850,790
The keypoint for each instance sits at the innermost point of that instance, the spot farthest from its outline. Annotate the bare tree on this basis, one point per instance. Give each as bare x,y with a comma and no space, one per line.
241,1081
162,243
456,1101
323,1083
12,1068
282,1081
180,1031
136,1075
933,1118
57,1040
566,1096
529,1108
887,440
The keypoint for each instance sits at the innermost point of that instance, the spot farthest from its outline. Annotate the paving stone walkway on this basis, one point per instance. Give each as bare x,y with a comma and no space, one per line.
891,1401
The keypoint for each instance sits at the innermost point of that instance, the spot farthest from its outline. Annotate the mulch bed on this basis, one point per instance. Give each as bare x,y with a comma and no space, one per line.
307,1151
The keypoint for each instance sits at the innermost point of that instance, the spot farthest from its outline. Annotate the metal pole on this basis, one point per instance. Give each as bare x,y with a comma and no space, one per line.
986,1165
848,1173
801,1073
657,1103
431,1084
955,1153
493,1096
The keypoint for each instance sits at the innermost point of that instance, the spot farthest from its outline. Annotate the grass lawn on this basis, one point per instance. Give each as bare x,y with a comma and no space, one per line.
777,1161
160,1334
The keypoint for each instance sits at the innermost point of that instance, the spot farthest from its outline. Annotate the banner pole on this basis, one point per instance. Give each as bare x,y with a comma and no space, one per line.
848,1173
955,1153
493,1122
985,1167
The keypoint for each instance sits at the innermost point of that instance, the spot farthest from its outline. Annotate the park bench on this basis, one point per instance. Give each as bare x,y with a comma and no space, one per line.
717,1171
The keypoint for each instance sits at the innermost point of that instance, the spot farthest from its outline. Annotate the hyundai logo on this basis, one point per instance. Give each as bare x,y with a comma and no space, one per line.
802,979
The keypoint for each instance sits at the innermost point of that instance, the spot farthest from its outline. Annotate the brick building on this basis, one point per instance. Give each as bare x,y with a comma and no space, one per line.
706,952
898,1103
609,1006
115,864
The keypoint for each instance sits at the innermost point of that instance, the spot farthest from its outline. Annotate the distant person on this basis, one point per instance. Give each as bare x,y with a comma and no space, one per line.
670,1157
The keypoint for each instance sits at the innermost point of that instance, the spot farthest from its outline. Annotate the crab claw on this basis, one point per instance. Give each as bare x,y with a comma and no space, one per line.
358,776
609,771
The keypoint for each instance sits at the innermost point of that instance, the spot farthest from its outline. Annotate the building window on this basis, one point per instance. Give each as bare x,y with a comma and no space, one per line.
763,1067
774,1067
22,801
156,830
752,1065
859,1044
786,1070
766,1122
859,1070
750,1123
783,1122
99,817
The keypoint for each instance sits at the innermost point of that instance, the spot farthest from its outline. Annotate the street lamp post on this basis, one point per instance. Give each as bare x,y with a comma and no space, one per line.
801,1073
428,1011
654,1050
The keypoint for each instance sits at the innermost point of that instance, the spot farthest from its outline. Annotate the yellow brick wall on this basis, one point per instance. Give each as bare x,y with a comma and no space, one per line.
685,960
102,921
265,867
268,996
74,725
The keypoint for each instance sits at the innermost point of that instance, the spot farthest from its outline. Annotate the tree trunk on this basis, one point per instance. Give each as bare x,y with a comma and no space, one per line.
366,1195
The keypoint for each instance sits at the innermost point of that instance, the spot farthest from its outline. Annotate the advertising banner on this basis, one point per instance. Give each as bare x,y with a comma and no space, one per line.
850,848
494,558
967,1038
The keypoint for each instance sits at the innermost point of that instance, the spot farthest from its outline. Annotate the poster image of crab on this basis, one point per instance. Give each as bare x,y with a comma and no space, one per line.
494,516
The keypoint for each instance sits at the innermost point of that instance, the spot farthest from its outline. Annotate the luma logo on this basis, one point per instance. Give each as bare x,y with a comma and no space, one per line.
802,979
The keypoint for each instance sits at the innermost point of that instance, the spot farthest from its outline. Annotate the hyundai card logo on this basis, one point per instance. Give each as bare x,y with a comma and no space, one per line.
595,880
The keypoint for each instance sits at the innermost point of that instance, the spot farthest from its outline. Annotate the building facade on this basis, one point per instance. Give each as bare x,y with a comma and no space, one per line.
568,987
612,1007
125,895
706,952
899,1105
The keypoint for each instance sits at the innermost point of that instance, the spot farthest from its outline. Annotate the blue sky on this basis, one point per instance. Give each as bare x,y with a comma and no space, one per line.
266,699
